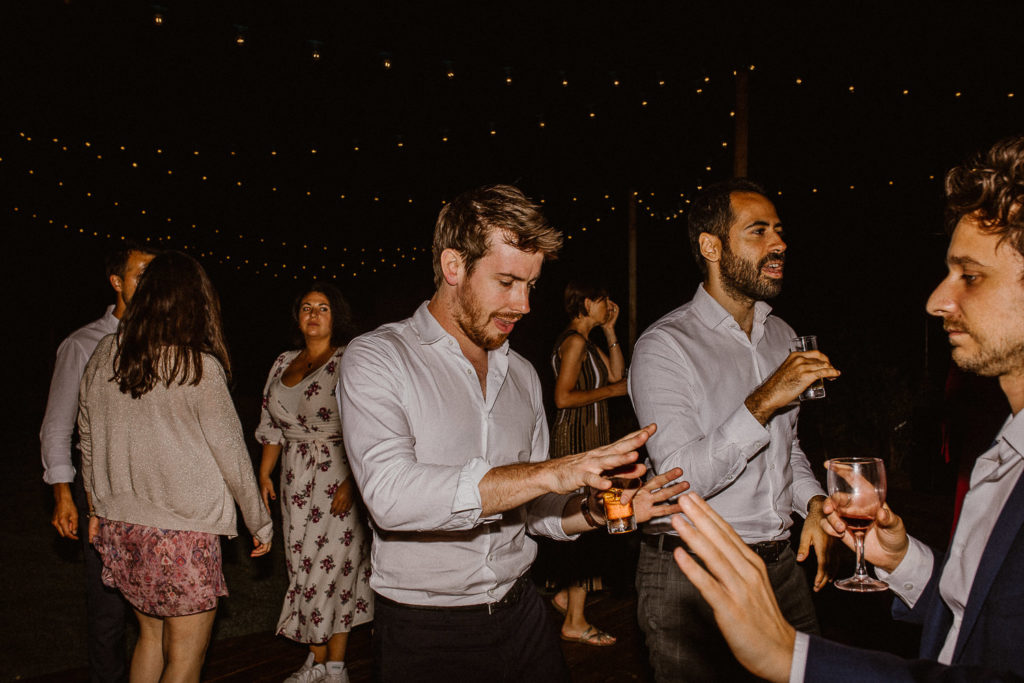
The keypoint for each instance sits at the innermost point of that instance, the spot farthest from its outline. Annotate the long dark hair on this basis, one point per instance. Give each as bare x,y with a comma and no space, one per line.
342,327
173,318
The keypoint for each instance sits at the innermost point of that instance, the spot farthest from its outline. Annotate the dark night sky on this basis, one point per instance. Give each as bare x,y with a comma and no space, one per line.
862,259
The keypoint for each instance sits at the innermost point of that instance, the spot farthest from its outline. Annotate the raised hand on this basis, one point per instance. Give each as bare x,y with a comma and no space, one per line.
797,372
613,316
735,583
571,472
648,498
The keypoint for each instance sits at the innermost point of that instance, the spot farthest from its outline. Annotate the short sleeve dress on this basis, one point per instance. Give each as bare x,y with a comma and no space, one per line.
328,556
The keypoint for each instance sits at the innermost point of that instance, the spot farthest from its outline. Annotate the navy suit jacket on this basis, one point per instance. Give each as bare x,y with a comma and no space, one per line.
990,645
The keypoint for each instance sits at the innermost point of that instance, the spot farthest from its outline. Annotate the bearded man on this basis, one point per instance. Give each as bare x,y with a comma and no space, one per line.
717,376
445,431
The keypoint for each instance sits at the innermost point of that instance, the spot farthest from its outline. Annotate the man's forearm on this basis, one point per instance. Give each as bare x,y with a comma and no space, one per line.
62,492
510,486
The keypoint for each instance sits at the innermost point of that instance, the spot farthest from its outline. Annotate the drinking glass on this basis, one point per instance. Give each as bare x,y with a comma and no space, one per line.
808,343
857,489
619,515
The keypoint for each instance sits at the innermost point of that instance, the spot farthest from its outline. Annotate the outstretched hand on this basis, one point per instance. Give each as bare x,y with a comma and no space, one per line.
648,499
735,583
593,467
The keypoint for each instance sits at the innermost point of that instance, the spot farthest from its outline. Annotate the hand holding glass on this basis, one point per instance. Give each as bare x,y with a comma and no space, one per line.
619,515
856,487
808,343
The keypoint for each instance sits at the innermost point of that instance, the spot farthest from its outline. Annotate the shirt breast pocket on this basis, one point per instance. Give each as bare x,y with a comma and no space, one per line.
511,436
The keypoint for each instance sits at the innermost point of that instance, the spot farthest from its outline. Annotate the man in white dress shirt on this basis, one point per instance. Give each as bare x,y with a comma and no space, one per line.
106,609
717,377
970,602
446,435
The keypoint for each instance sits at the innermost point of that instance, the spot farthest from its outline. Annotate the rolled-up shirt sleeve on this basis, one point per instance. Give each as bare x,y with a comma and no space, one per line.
400,492
61,411
663,390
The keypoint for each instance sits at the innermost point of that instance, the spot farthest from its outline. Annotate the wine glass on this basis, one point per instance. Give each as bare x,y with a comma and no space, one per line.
857,489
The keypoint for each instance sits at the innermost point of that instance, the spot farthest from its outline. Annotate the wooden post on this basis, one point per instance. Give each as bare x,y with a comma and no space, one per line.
739,168
631,231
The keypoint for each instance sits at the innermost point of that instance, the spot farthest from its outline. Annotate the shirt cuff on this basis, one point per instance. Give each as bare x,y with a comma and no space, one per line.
544,516
911,576
799,663
467,491
743,427
59,474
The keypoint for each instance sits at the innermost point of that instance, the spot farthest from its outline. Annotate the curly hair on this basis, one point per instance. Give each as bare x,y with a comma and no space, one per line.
990,188
466,223
173,319
711,212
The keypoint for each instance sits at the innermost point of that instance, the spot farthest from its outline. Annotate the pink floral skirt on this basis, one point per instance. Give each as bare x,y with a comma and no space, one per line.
162,572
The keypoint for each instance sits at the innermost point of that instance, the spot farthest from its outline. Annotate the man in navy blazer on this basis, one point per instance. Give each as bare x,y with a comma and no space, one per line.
971,602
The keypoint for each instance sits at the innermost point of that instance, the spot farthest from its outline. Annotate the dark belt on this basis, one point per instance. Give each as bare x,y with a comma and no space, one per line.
769,551
512,597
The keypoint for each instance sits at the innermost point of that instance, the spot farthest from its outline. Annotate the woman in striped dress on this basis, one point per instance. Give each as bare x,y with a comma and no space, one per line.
585,377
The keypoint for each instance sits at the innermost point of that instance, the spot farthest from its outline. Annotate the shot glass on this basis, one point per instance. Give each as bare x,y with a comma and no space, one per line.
619,515
808,343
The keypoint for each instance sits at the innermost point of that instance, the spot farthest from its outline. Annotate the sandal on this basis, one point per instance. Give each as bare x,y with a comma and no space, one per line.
592,636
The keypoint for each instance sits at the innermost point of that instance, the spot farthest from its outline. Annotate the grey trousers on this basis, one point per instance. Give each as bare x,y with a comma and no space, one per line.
682,637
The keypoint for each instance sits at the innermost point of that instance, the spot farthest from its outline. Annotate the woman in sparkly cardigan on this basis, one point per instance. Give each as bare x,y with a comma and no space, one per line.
164,462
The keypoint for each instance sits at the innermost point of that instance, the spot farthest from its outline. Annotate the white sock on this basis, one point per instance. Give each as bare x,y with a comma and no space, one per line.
335,667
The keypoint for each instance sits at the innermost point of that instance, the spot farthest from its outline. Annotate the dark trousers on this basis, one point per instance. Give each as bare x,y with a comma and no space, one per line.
516,643
682,637
106,608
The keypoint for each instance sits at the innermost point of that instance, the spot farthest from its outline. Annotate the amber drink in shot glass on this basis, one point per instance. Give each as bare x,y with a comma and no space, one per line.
619,514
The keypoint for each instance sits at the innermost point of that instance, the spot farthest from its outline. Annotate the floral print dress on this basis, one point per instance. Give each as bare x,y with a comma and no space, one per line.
328,556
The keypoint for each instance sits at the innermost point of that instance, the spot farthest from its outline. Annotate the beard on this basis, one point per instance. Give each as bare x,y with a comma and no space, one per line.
744,279
991,358
474,322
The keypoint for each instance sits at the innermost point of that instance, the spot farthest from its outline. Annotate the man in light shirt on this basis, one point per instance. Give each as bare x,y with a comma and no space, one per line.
106,609
717,377
447,439
970,602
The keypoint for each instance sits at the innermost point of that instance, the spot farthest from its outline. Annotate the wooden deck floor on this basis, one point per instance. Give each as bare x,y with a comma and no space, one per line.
263,658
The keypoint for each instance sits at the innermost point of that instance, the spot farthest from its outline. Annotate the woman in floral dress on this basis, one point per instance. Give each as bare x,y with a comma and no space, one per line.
326,541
